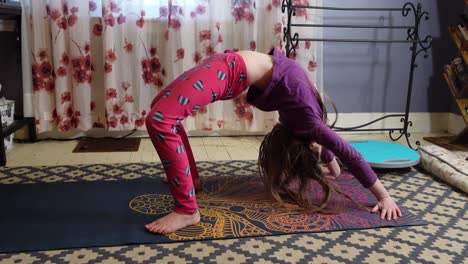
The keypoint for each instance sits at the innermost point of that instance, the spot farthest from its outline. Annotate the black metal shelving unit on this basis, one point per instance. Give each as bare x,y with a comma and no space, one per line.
13,12
416,43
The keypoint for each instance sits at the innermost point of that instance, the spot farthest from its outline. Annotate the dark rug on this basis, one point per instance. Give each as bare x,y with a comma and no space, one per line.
106,213
107,145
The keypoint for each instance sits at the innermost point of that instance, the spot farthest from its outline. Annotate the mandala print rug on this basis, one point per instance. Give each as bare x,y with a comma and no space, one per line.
68,213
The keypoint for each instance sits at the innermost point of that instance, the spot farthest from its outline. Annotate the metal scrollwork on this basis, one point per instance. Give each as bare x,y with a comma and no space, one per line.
390,134
403,132
284,5
418,45
425,45
294,43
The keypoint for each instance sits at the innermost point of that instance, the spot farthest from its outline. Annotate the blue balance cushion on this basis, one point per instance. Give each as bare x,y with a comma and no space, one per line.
380,154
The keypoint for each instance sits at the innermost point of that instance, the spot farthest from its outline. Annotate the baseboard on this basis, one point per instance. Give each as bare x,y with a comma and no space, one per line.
422,123
93,133
99,132
455,123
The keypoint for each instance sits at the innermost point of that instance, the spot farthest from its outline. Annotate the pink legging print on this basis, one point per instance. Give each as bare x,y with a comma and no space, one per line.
219,77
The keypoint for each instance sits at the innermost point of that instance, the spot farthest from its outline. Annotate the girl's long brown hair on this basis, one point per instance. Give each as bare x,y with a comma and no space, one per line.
285,161
281,162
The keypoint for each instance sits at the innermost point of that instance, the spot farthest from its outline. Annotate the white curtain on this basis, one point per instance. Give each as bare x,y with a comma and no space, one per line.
98,64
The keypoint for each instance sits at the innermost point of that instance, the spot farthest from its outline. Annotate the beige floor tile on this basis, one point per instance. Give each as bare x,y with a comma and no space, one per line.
15,156
15,162
149,157
62,146
22,157
135,157
243,153
87,158
17,148
146,145
25,151
213,141
196,141
59,147
91,158
217,153
156,157
199,153
240,141
73,159
118,157
45,153
40,159
42,162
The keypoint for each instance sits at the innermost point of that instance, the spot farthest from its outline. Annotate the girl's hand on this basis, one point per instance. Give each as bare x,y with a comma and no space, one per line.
332,171
388,209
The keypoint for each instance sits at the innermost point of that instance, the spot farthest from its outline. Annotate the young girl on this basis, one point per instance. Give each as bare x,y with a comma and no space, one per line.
274,82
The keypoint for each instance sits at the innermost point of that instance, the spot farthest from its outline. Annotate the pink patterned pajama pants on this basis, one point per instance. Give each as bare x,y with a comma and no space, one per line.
219,77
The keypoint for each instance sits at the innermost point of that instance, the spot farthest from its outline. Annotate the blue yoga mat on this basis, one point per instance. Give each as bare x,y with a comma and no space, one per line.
380,154
46,216
67,215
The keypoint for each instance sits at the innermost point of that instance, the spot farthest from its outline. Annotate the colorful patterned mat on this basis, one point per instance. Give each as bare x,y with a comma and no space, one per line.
237,206
442,241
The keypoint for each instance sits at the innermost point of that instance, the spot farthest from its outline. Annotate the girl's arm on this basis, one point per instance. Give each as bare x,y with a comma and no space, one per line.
328,138
386,205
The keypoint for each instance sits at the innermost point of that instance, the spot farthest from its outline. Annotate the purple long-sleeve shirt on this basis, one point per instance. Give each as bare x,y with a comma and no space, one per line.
291,93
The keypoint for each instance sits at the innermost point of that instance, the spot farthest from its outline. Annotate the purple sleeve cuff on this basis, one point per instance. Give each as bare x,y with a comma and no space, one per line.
326,156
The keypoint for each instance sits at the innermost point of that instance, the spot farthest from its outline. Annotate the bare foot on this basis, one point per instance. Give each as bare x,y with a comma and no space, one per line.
196,183
172,222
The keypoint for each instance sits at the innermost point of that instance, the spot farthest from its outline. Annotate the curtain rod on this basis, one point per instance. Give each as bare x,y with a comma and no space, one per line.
351,26
349,8
362,40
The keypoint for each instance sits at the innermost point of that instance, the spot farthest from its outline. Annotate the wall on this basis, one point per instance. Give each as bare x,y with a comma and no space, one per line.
374,77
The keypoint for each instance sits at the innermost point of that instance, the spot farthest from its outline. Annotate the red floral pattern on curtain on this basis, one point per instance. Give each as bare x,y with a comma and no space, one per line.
99,63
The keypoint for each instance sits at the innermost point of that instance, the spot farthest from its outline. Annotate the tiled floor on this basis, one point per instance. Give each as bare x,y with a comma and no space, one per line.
48,152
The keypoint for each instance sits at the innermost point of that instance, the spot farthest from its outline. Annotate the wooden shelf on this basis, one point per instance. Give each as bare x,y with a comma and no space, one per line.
463,107
456,91
459,93
460,97
460,45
